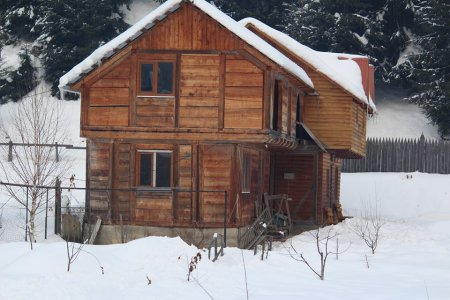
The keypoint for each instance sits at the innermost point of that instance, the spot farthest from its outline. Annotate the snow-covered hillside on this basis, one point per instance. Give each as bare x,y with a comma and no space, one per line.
411,261
397,118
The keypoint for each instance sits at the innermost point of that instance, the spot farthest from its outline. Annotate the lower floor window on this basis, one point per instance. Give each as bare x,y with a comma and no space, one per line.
154,168
246,172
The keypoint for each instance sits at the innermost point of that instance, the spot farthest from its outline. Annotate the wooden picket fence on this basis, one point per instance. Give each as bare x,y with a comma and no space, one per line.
402,155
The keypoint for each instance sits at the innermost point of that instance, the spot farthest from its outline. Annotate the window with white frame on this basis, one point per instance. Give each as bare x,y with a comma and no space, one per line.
154,168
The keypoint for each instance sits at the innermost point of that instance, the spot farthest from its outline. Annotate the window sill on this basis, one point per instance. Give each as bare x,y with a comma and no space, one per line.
153,189
156,97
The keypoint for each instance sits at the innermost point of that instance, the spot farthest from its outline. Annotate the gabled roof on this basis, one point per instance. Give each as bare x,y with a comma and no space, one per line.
343,72
118,43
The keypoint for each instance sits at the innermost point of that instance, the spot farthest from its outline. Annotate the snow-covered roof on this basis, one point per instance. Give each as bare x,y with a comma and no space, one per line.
107,50
344,72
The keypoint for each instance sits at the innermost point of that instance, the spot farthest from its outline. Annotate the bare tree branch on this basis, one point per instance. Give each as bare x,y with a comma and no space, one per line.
37,121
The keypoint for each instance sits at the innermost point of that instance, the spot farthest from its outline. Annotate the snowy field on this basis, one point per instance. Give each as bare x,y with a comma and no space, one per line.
411,261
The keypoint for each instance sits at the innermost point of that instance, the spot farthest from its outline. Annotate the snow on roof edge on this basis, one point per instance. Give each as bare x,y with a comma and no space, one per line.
262,46
317,60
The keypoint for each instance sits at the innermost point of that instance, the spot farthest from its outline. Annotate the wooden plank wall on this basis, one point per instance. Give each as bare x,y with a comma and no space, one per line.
243,94
293,124
154,207
246,202
334,117
108,97
188,28
302,166
285,113
184,177
216,163
324,177
99,177
359,119
199,91
123,158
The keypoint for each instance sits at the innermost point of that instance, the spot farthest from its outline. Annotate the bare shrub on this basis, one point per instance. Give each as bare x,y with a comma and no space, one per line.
322,238
193,264
73,250
368,226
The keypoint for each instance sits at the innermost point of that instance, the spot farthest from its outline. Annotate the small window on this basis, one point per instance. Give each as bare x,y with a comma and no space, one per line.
156,79
246,172
154,168
276,111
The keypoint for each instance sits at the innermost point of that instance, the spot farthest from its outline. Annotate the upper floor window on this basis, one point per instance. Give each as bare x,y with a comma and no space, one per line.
276,104
156,78
154,168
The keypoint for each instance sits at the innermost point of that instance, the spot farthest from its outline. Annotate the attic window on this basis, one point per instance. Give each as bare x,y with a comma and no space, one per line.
156,78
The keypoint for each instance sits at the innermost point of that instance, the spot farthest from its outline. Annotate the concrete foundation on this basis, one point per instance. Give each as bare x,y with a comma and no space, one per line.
114,234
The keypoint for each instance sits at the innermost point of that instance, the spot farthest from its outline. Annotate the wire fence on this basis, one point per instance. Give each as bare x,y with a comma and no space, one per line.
60,211
14,222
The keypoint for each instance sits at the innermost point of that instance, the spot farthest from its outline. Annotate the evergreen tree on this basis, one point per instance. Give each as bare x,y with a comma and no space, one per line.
18,18
71,30
375,28
270,12
17,83
429,70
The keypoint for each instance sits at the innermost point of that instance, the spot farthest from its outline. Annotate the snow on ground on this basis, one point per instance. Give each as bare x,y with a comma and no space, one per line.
397,118
411,262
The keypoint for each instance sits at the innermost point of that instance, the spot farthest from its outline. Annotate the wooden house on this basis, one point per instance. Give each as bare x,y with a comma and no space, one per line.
190,117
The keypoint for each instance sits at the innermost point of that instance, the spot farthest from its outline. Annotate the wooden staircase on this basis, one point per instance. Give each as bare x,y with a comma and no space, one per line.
252,236
267,224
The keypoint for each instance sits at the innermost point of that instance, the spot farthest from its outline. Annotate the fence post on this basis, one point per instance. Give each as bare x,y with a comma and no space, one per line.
26,218
46,214
10,147
225,219
56,152
58,206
